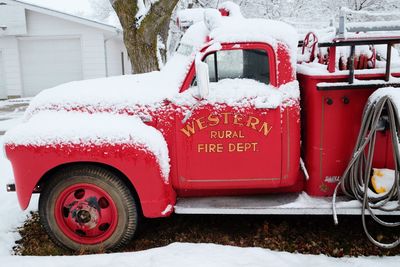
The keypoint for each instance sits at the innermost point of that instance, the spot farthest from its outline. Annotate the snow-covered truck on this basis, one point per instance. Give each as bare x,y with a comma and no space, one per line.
221,129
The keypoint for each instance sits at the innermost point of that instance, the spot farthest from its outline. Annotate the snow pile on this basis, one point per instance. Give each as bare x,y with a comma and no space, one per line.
243,93
393,93
306,201
50,128
212,19
187,17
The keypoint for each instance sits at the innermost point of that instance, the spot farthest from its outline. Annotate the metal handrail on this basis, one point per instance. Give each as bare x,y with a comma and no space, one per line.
353,42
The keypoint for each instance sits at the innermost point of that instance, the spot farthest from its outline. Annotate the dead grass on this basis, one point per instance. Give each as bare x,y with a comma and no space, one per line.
302,234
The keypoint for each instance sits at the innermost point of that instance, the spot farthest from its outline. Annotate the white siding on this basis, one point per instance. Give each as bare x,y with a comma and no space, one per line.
11,71
114,59
49,62
93,57
13,17
94,63
3,91
41,26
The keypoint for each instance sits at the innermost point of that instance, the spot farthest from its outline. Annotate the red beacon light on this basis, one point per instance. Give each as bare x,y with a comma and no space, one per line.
224,12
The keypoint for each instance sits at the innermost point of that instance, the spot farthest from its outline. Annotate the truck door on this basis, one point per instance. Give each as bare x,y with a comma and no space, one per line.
225,145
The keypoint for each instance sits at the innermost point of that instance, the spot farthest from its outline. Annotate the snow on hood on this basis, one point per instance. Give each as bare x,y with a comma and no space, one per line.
119,94
49,128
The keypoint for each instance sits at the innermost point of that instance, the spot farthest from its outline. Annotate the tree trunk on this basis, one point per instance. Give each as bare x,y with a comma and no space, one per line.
141,38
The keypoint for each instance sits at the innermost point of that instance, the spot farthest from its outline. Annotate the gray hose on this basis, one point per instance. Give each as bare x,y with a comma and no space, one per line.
356,178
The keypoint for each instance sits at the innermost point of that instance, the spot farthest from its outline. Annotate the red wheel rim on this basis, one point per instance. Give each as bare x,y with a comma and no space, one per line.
86,214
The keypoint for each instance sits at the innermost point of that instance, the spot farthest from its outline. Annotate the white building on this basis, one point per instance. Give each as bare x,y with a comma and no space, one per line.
41,48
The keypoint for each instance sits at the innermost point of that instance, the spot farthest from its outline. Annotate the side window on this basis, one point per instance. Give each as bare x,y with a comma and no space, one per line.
249,64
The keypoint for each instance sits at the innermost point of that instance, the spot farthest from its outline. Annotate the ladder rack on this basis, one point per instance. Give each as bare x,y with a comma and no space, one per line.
353,42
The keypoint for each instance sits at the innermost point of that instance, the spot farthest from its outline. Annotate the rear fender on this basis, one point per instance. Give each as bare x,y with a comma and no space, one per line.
32,163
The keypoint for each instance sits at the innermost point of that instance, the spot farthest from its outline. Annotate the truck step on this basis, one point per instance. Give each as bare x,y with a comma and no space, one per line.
282,204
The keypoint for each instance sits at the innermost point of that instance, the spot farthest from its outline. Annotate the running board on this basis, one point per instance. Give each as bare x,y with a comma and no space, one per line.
282,204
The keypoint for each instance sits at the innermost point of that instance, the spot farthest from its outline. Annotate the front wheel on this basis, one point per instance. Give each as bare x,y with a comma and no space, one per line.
88,208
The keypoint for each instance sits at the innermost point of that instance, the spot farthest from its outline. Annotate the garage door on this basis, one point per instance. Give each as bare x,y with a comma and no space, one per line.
3,92
50,62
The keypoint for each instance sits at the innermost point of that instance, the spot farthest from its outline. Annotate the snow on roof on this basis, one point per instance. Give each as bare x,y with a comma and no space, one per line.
64,15
188,17
236,28
49,128
257,30
239,29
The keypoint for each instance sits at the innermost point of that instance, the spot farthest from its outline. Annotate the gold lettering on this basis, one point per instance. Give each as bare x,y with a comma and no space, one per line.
200,147
231,147
252,122
237,119
213,134
247,146
213,120
226,114
210,148
219,148
242,147
228,134
254,146
265,129
239,147
188,130
201,123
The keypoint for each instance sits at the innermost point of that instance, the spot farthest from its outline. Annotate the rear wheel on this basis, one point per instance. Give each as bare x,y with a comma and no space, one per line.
88,208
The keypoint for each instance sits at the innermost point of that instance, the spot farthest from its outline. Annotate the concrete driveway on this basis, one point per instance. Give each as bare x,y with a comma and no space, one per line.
11,112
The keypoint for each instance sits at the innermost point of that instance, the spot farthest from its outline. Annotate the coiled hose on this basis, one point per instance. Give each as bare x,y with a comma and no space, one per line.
356,178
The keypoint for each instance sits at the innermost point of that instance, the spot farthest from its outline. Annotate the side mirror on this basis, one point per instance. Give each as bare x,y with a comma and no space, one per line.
203,79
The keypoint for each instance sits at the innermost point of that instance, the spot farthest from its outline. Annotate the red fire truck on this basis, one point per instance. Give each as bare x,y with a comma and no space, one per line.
222,129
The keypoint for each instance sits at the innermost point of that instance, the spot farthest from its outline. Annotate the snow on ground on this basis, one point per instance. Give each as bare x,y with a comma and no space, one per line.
186,254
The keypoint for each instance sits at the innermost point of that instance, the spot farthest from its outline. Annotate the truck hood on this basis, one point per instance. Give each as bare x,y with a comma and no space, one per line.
119,94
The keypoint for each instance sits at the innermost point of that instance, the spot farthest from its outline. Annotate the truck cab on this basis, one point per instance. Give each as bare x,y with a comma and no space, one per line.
222,119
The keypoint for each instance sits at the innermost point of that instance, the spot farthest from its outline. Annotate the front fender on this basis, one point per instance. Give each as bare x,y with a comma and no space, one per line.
31,163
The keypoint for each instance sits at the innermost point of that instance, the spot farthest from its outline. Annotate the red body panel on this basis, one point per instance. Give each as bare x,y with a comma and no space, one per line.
330,128
30,164
233,152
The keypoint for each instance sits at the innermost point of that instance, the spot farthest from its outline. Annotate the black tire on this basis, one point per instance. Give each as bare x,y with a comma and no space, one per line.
126,218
